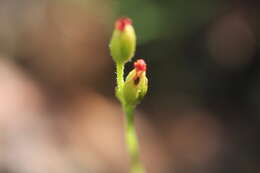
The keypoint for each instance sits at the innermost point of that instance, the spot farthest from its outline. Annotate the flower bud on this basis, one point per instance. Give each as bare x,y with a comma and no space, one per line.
123,42
136,84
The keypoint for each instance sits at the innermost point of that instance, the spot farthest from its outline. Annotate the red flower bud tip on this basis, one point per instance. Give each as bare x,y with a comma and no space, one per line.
122,23
140,65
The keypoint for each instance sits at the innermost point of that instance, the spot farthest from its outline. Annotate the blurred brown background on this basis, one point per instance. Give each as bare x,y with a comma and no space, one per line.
58,113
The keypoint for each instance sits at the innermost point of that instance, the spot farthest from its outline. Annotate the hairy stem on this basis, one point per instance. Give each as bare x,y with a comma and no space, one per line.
120,76
132,140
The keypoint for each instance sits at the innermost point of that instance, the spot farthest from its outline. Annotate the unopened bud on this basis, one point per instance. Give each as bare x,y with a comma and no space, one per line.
123,42
136,84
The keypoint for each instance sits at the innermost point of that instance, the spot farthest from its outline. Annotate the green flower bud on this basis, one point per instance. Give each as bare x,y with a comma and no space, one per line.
136,84
123,42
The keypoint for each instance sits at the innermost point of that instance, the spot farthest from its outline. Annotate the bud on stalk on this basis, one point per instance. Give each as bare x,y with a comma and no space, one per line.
136,84
123,42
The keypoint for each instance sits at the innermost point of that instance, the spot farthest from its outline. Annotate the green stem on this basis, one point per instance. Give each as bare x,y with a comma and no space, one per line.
120,76
132,140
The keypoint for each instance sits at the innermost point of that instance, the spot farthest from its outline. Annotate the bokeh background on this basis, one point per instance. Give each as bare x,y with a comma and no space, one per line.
58,113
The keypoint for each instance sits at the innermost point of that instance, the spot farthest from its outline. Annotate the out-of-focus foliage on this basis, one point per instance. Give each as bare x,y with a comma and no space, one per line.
167,19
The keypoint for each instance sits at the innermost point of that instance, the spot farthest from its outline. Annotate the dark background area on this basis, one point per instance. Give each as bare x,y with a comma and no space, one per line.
58,112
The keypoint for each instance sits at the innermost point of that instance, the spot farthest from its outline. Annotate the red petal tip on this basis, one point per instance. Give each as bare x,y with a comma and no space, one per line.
121,23
140,65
